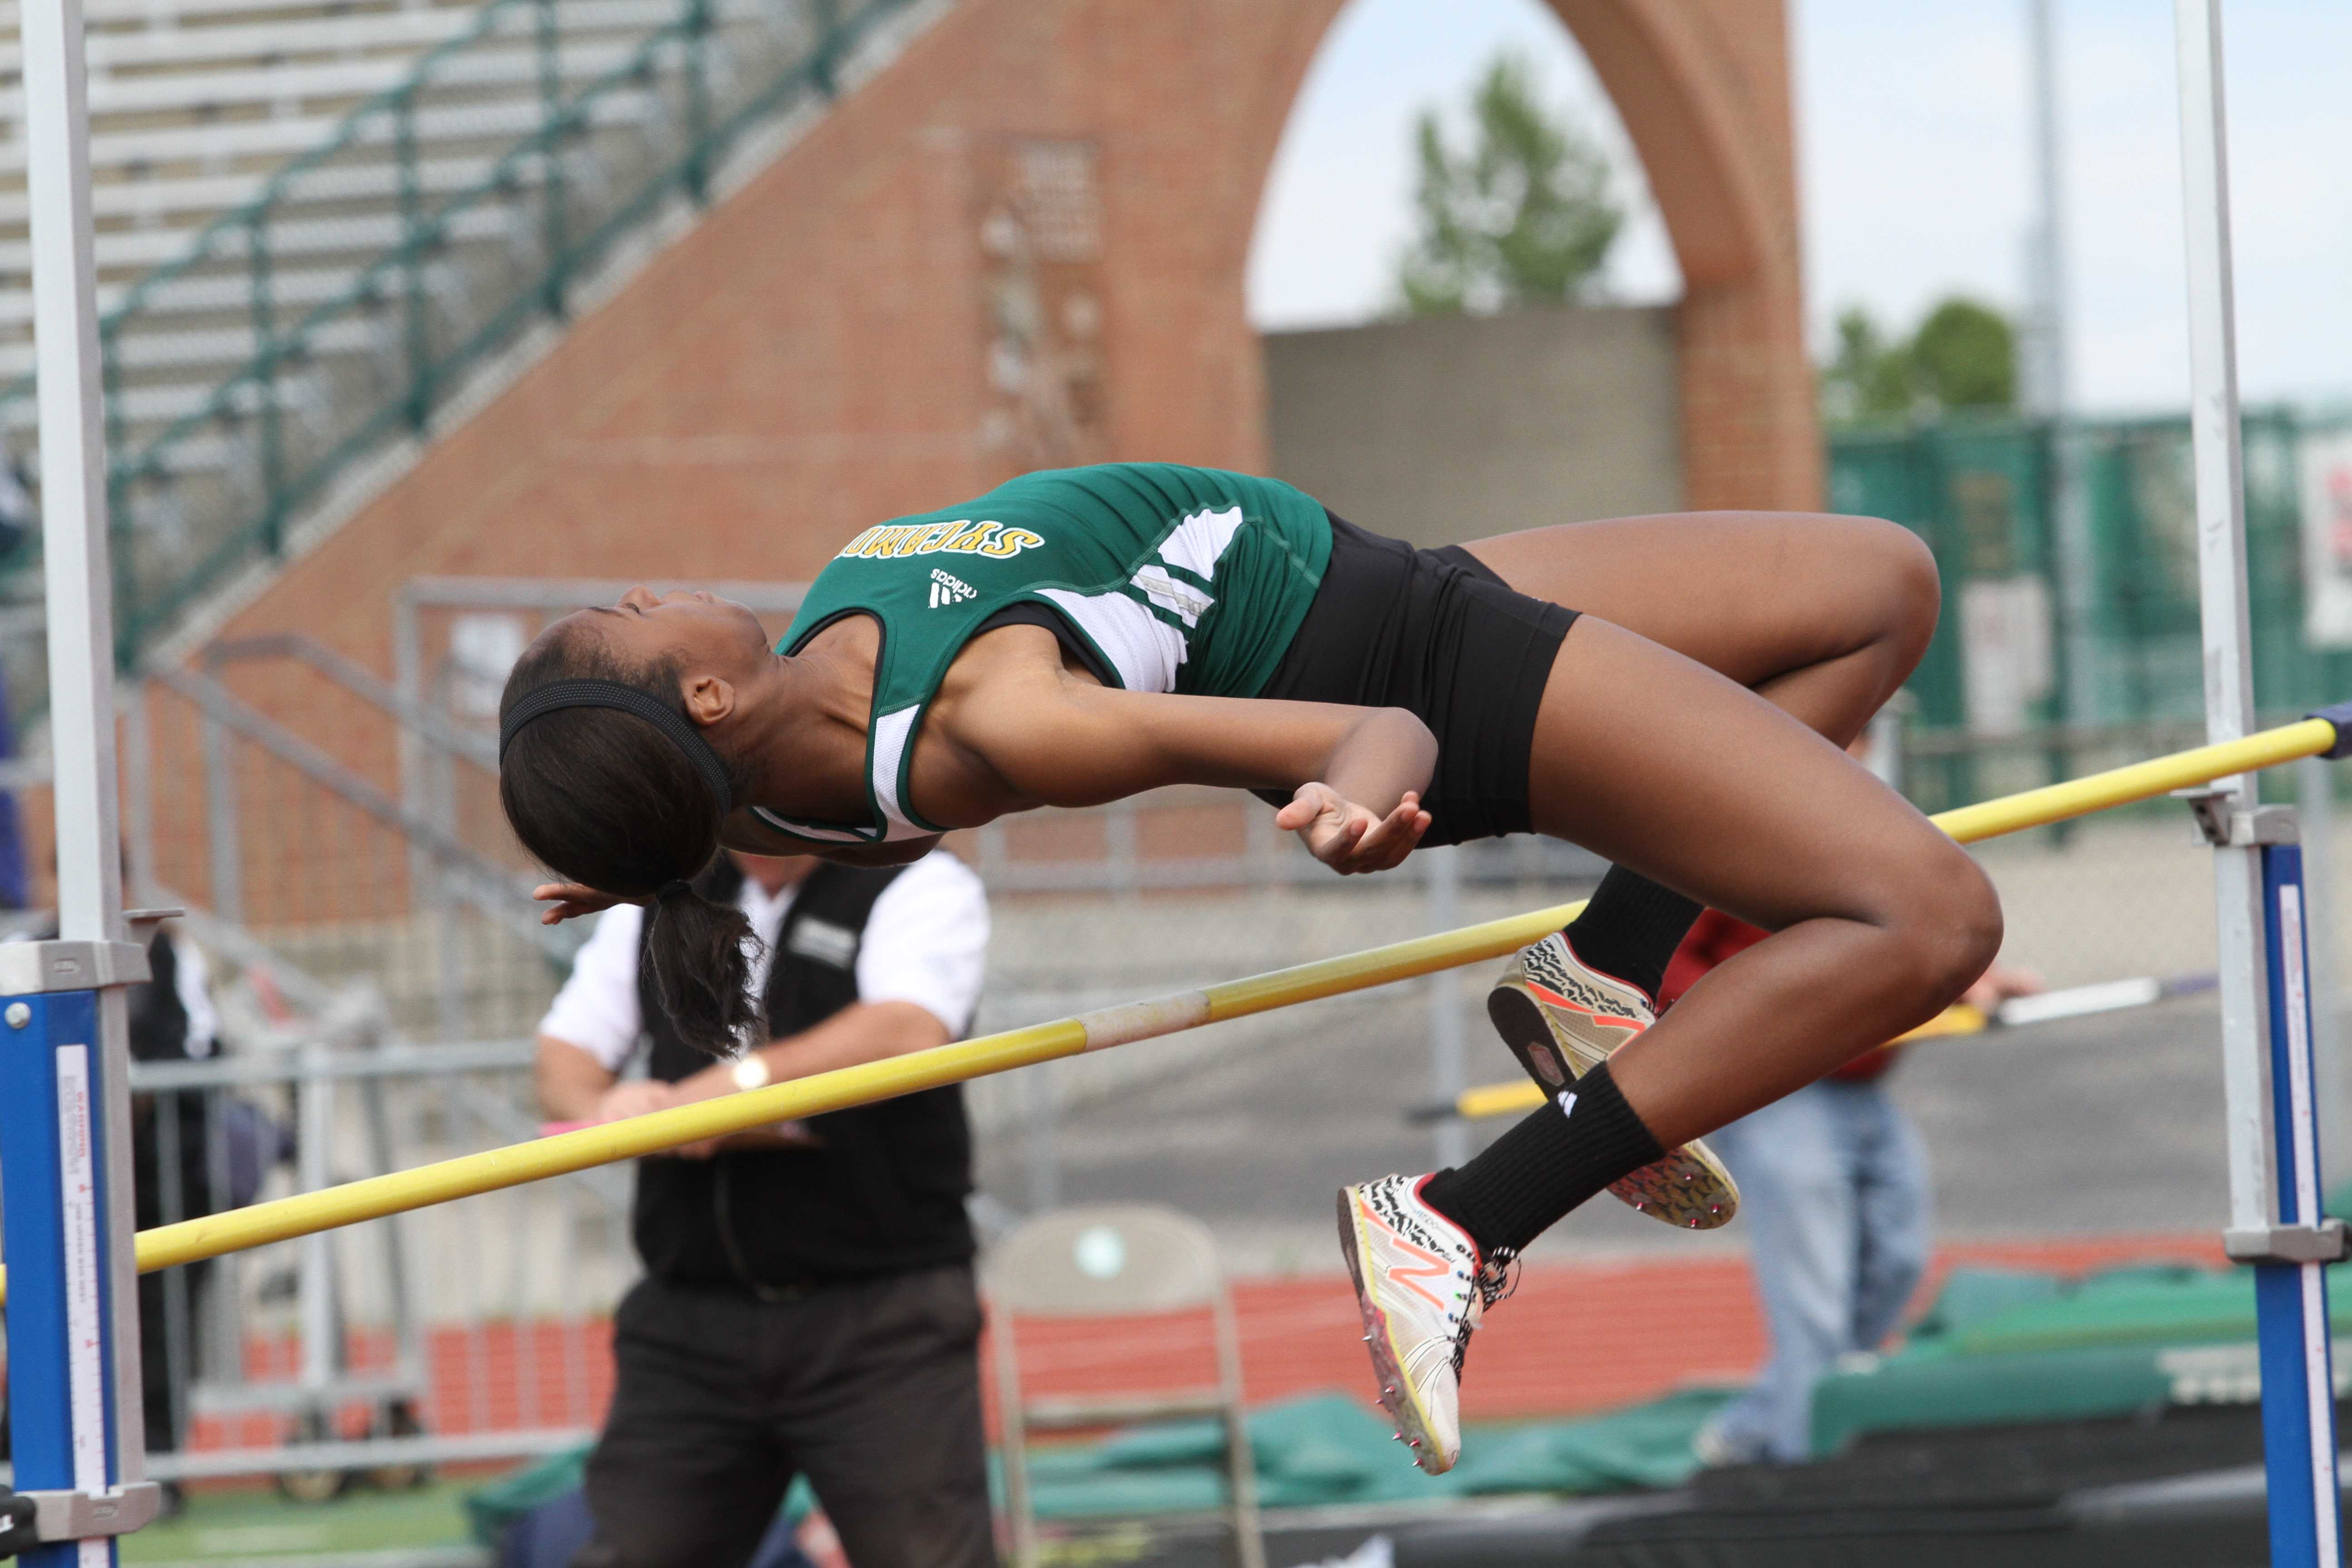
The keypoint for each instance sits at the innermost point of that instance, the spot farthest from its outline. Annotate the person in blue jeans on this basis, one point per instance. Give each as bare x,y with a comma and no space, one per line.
1834,1190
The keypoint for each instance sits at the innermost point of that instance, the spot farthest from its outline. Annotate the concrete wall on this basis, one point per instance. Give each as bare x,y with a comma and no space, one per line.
1450,428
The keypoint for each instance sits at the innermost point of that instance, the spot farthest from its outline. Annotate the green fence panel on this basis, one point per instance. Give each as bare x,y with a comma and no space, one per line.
2101,513
1983,496
1994,500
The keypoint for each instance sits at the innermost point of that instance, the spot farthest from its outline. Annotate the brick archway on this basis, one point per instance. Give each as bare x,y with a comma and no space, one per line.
1022,242
1703,88
841,339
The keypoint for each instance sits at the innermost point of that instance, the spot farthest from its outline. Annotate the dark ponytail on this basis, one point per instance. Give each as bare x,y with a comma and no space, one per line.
701,971
606,798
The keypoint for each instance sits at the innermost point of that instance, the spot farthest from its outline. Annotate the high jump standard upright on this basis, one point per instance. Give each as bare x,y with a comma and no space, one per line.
65,1103
2275,1223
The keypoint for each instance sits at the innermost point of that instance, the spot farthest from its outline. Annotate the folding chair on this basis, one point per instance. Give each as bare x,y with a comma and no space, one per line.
1108,1261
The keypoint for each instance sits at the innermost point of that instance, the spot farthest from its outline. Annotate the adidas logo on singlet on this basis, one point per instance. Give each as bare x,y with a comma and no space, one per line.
947,588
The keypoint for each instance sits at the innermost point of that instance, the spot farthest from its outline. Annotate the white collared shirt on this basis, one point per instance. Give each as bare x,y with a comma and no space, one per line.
925,942
191,982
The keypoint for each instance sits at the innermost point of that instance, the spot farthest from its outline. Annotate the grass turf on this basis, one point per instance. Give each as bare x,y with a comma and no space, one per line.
257,1526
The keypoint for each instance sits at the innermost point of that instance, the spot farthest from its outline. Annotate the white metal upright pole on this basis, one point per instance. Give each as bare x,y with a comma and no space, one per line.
77,582
65,1119
2222,587
2046,369
2274,1224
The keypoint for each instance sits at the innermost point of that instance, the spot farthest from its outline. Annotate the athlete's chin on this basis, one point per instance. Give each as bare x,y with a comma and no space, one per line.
747,621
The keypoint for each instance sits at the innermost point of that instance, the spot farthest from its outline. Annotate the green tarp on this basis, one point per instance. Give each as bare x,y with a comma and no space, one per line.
1642,1446
1323,1449
1314,1451
1998,1346
2001,1347
491,1509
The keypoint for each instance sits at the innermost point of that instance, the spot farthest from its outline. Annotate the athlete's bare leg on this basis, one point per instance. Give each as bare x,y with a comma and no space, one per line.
1825,616
1651,750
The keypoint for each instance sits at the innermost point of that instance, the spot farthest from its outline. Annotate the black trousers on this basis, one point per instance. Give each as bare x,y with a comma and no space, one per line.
157,1378
871,1388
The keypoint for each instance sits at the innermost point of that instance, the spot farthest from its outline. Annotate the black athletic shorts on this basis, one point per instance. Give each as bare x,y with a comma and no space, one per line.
1436,632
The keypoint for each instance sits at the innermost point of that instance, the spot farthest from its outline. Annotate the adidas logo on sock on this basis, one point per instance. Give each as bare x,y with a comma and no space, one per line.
947,588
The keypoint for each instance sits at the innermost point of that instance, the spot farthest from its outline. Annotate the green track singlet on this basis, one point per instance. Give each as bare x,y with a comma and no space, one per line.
1191,580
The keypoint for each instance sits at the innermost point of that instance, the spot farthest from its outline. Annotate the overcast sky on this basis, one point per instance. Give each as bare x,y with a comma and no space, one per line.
1912,137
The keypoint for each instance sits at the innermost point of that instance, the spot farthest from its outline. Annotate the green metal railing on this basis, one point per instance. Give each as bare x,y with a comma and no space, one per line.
428,233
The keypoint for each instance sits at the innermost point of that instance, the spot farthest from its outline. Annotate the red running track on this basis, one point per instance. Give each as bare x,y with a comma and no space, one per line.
1577,1337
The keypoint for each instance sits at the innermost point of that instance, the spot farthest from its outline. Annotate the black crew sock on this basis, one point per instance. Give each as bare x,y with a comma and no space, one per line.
1631,928
1528,1179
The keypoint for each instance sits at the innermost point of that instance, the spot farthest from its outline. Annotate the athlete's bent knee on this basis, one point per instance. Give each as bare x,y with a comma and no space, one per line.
1949,925
1909,592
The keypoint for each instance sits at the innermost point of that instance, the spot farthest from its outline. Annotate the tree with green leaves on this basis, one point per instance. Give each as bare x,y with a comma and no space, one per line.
1526,215
1963,356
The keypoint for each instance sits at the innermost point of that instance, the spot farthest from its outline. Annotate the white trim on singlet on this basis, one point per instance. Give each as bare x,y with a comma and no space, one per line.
891,733
1201,541
1181,599
1143,647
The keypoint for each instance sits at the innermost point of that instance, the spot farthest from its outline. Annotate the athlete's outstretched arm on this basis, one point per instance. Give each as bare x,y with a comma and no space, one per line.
1357,773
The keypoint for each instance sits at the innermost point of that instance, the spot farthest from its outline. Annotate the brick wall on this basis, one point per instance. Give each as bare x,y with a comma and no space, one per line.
1022,243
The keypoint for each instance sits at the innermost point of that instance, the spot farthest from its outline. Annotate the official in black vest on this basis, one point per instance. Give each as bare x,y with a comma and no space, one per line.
171,1019
808,1305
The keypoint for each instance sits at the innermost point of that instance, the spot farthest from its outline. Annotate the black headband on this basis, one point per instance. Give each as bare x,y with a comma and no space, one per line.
583,693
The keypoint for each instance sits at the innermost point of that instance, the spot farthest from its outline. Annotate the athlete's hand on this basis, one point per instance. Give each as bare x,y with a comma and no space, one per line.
1351,838
570,900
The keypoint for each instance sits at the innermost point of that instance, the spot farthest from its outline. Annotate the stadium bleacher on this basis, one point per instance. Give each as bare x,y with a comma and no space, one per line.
306,211
194,104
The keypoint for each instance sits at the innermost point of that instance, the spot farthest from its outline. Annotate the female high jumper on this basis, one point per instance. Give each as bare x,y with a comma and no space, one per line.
1077,635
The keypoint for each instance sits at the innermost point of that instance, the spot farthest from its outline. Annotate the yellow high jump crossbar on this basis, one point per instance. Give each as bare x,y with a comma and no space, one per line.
1519,1095
375,1197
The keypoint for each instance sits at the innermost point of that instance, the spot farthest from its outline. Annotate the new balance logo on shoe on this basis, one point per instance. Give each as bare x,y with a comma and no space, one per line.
1431,1267
947,588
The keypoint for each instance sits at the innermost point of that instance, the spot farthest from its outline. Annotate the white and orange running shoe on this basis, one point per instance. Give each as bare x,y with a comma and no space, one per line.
1561,1017
1421,1288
